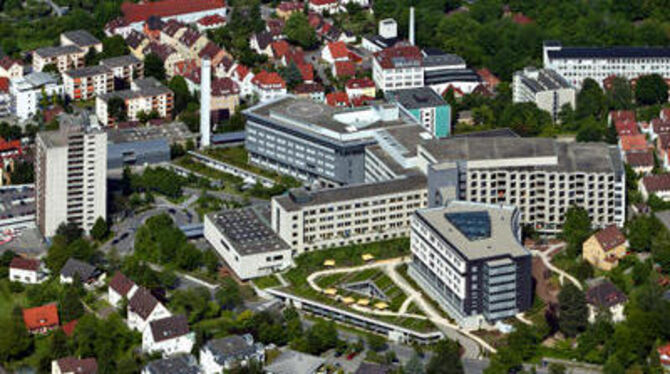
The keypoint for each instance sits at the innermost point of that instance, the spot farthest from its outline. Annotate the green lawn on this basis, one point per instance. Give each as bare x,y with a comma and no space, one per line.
9,300
267,282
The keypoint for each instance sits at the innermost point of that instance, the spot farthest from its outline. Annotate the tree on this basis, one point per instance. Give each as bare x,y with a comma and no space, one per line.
182,96
15,342
376,343
70,306
114,46
71,231
24,172
660,249
590,130
99,230
292,75
620,94
557,368
446,359
572,310
154,67
228,295
50,68
414,365
591,101
651,89
299,31
576,229
116,108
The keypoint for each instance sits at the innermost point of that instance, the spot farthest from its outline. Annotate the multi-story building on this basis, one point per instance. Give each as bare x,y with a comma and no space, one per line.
244,239
88,82
398,68
469,258
10,68
82,39
5,98
27,92
443,71
167,54
125,69
315,142
579,63
70,175
145,95
544,87
334,217
429,108
542,177
65,57
268,86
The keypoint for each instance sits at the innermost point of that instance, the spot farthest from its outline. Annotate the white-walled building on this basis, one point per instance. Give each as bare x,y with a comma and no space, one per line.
606,296
398,68
143,308
168,336
144,96
88,82
335,217
26,270
120,287
27,91
219,355
73,365
64,58
244,239
70,175
10,68
544,87
268,86
322,6
82,39
576,64
125,69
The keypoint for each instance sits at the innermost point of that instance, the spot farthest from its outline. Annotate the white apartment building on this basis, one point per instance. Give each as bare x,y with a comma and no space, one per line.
469,258
544,87
63,57
70,175
26,93
312,220
398,68
598,63
246,242
88,82
542,177
145,95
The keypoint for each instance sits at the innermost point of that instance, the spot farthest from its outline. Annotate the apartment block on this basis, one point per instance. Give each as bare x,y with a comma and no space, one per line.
145,95
65,58
82,39
429,108
542,177
88,82
579,63
544,87
398,68
27,92
317,143
469,258
70,175
125,70
311,220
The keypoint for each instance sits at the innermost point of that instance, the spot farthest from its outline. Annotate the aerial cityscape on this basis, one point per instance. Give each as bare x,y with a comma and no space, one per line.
335,186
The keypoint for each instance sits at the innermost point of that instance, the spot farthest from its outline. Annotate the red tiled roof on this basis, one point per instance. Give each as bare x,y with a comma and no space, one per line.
626,127
610,237
280,48
634,143
660,126
655,183
388,57
69,327
356,83
79,366
338,50
241,71
488,77
308,88
663,141
23,263
622,115
521,19
296,56
224,86
214,19
664,352
41,317
4,84
289,6
307,72
345,69
7,62
189,37
209,50
322,2
265,79
640,159
362,100
276,26
314,19
665,113
339,98
121,284
166,8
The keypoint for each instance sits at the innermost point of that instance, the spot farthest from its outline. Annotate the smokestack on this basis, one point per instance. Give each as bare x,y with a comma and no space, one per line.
205,101
411,25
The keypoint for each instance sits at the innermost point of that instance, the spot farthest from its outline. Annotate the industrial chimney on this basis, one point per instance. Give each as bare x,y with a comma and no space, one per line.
411,25
205,101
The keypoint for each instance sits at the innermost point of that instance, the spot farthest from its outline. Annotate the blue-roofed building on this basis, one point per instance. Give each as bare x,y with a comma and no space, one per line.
429,109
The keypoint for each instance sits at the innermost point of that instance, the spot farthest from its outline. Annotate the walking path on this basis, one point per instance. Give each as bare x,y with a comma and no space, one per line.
547,262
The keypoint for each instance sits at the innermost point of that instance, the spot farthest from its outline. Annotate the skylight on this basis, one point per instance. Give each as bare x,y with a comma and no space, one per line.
473,225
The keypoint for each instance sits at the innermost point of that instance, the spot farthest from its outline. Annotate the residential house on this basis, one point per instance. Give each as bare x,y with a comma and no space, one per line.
118,26
489,80
125,69
664,356
324,6
312,91
293,362
606,296
82,39
343,69
41,319
244,79
658,185
210,22
63,58
641,162
180,364
338,99
143,308
26,270
136,42
261,43
168,336
5,98
27,92
213,52
192,42
152,28
615,116
632,143
276,27
171,32
286,8
605,248
225,98
10,68
88,82
357,87
279,49
335,51
167,54
268,86
225,68
88,274
224,354
120,287
626,127
307,72
73,365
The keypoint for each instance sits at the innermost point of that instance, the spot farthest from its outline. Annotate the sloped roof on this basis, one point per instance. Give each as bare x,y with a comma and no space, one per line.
142,303
79,366
138,12
169,328
23,263
610,237
606,295
41,316
121,284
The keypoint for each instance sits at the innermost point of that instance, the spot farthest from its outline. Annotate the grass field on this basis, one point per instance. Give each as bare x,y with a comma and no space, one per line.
9,300
267,282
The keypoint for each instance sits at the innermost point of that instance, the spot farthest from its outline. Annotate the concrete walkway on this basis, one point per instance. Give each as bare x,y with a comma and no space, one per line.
561,274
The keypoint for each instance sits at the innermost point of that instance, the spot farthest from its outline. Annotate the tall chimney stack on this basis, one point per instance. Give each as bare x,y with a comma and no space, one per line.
411,25
205,102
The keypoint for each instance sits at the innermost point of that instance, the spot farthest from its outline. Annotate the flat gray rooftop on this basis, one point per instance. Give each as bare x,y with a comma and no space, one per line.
384,157
402,139
88,71
416,98
300,198
82,38
173,132
58,51
248,229
592,157
17,201
115,62
501,241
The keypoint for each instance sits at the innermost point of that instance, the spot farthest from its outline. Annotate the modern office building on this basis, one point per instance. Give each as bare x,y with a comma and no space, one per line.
544,87
317,143
469,258
542,177
244,239
599,63
27,92
70,175
334,217
429,108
